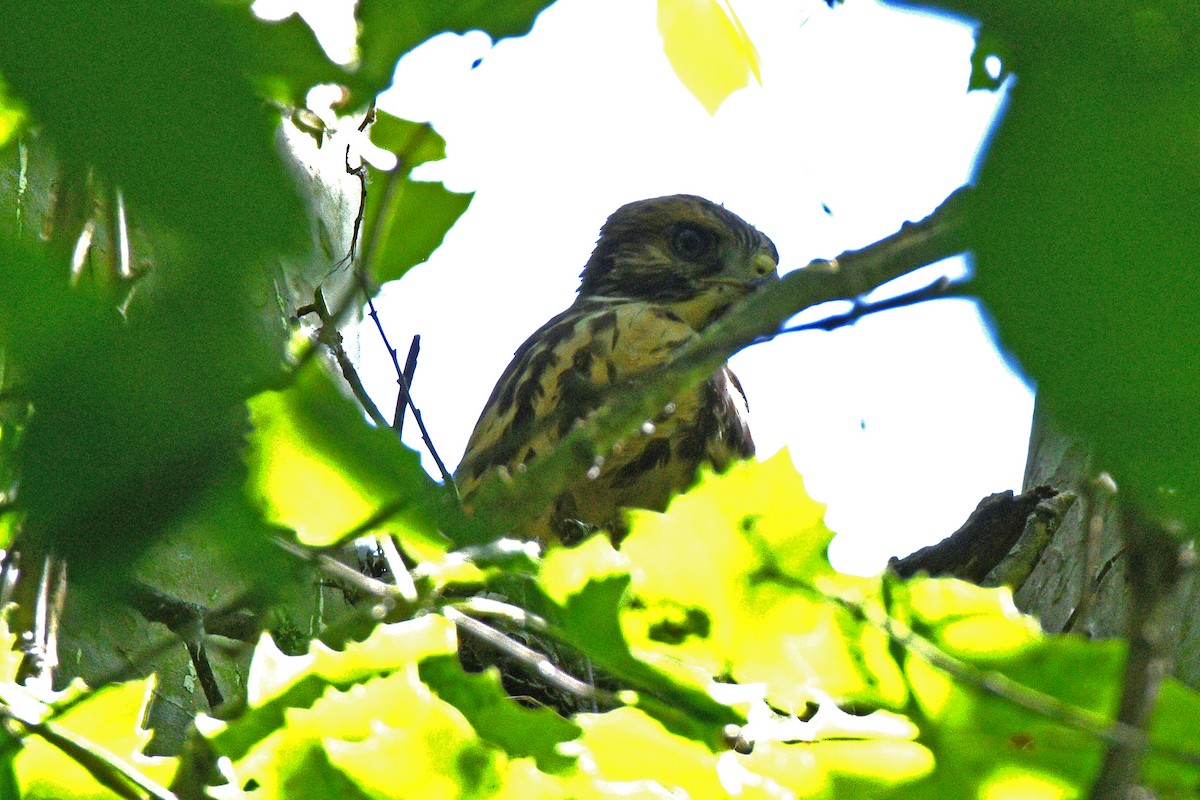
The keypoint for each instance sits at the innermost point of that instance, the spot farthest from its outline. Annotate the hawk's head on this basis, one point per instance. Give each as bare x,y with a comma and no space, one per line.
682,251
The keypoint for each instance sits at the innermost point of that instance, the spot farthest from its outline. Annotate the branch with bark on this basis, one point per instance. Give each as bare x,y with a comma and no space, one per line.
849,276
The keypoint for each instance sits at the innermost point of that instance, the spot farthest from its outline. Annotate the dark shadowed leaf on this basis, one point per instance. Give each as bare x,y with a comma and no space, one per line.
154,96
1087,235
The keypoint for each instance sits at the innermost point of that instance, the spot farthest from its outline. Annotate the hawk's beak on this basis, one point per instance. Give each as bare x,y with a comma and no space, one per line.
764,267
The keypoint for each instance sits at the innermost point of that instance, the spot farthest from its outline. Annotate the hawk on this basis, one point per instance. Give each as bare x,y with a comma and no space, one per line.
662,271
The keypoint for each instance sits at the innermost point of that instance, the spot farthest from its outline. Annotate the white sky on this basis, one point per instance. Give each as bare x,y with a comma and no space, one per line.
902,422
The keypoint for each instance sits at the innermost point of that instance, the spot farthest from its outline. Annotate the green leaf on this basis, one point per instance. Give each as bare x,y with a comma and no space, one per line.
161,429
279,682
286,60
1085,235
745,603
981,740
414,143
1173,724
584,590
497,718
109,722
317,467
406,220
390,28
155,97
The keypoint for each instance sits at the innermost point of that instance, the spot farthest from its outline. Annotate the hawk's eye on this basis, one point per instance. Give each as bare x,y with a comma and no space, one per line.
692,242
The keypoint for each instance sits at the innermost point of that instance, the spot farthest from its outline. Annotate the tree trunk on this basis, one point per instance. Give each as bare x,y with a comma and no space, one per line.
1080,582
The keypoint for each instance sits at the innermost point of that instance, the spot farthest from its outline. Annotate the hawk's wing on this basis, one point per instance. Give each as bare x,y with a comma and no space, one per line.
565,371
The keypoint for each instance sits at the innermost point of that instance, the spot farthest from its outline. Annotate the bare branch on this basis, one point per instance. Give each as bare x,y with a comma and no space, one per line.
111,772
410,372
329,335
531,659
940,289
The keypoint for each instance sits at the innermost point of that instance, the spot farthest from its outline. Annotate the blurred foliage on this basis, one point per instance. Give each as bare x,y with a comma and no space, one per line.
1086,232
342,721
176,404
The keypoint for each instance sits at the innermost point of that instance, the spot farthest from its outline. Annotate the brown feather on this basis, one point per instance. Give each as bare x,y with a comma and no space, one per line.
647,290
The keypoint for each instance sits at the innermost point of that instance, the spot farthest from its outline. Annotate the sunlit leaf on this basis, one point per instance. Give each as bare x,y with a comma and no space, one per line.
280,682
1012,784
970,621
745,602
627,746
708,48
836,769
591,588
317,467
110,722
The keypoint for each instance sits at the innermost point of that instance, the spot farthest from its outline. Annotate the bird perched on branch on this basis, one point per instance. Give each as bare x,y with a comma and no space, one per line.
663,270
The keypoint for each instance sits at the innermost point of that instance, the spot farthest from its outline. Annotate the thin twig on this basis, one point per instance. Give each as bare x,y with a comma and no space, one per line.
400,574
535,661
410,372
1117,733
332,338
938,290
387,592
511,503
485,606
362,269
191,621
405,390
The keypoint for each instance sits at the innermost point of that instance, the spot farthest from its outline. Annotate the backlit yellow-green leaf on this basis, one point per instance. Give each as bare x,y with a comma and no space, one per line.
566,571
708,48
744,601
1011,784
837,769
317,467
627,747
971,620
109,721
388,647
12,117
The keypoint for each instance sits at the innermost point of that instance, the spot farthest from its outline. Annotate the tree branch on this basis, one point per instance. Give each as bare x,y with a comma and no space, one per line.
410,371
329,335
511,503
534,661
